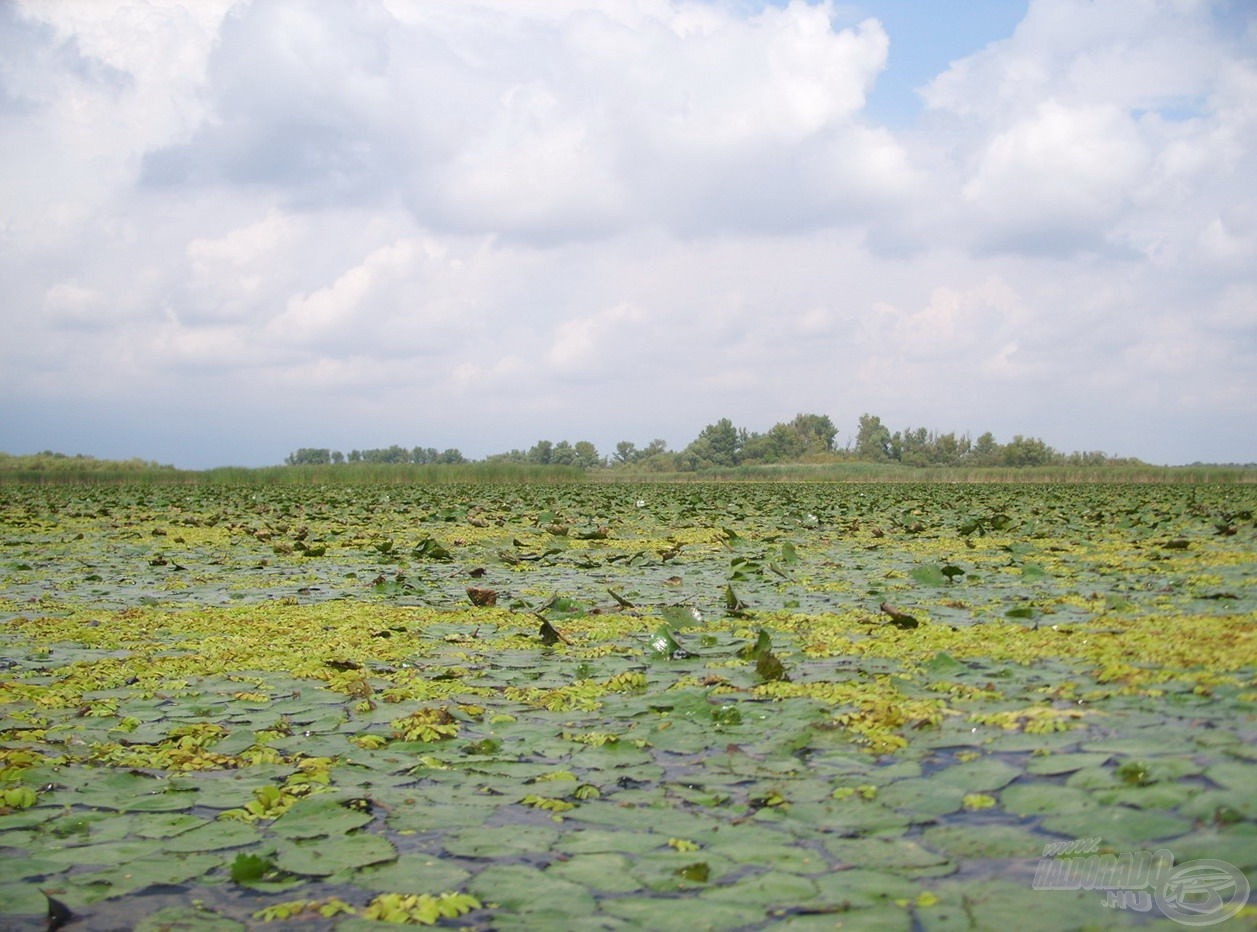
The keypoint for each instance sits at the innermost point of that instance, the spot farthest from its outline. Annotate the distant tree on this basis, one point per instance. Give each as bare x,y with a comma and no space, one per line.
393,454
586,455
815,433
512,456
625,452
309,456
985,450
718,444
911,447
872,439
541,453
948,450
1027,451
338,457
452,456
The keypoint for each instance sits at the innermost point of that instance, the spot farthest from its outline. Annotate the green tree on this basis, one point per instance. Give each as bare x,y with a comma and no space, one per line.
309,456
986,451
951,449
872,439
718,444
815,433
587,455
911,447
1027,451
541,452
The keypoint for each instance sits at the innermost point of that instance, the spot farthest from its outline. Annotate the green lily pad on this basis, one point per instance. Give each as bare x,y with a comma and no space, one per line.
887,853
984,775
501,841
187,919
606,873
1023,799
527,892
1055,764
156,869
413,870
324,814
982,842
218,835
322,857
1119,826
678,914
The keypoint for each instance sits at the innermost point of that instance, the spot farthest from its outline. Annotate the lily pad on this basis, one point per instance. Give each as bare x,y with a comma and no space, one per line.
323,857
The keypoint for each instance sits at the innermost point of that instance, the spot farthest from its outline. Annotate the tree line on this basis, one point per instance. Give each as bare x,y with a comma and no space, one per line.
805,438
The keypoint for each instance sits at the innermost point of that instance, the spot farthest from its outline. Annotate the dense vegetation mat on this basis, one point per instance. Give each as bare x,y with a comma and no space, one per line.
655,706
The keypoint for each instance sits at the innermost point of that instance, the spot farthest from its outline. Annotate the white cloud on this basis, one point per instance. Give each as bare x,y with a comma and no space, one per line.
1059,171
476,223
595,345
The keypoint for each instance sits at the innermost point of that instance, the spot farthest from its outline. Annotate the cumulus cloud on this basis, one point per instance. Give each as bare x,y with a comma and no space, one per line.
549,126
476,223
1093,123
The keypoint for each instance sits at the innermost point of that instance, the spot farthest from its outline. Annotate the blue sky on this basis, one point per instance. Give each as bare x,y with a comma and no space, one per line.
229,230
926,37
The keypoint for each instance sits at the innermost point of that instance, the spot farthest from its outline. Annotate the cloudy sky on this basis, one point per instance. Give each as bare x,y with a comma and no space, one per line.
232,229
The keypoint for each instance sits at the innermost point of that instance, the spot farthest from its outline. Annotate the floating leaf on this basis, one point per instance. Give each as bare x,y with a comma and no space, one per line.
763,644
769,668
247,868
664,644
430,549
322,857
929,576
681,616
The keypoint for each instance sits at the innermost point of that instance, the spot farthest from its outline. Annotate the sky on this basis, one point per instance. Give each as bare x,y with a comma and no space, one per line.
229,230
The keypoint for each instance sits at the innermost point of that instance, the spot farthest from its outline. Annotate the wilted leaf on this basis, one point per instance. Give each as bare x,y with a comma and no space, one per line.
58,913
898,617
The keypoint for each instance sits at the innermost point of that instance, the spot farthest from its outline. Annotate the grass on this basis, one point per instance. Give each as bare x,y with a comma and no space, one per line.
78,471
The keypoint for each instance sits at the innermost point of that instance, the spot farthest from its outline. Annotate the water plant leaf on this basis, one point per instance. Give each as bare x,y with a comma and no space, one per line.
762,644
681,616
898,617
323,857
431,549
315,816
247,868
549,634
929,575
663,643
58,913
